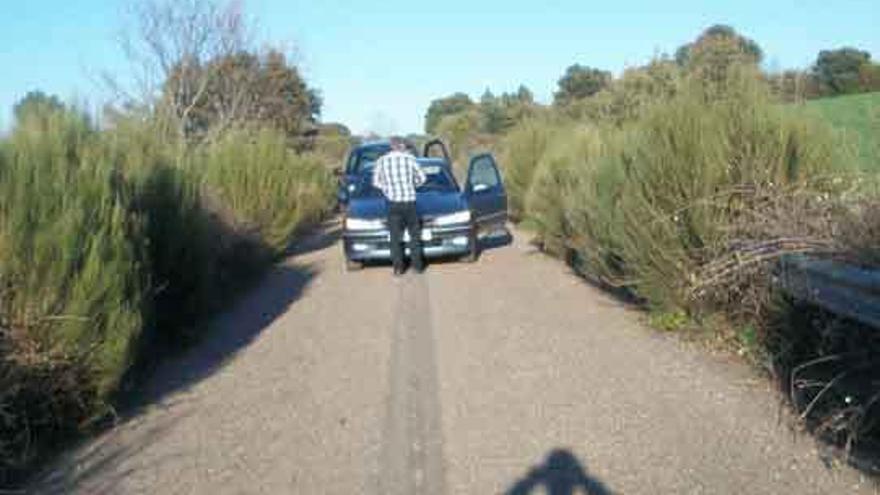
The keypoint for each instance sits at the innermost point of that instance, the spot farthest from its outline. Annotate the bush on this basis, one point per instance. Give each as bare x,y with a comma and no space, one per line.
522,148
113,246
689,205
264,184
650,204
71,283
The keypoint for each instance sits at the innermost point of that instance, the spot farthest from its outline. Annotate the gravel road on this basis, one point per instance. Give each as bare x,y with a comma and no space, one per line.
505,376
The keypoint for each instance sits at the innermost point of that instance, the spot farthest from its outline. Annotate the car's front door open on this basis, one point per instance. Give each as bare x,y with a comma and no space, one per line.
430,146
485,193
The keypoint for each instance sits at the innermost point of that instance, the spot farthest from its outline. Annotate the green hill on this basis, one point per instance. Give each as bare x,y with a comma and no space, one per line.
859,116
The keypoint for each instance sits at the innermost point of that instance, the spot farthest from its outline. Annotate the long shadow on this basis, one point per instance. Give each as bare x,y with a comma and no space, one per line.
230,332
560,474
573,261
315,238
496,240
97,470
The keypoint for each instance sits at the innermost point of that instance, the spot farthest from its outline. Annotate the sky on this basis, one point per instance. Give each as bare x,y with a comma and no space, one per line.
380,63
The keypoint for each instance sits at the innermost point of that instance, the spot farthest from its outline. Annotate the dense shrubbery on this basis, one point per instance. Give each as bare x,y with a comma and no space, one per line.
688,205
114,242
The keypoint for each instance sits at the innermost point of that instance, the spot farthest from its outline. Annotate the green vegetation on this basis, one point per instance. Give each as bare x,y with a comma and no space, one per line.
683,184
114,244
858,116
117,241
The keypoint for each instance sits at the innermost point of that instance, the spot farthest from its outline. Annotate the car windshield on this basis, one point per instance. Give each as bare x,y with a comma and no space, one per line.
366,158
437,178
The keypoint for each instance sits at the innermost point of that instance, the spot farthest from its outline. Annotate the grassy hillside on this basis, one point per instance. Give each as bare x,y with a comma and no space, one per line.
859,117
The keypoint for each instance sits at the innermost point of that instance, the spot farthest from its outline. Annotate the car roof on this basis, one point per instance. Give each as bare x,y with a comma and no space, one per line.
373,144
432,161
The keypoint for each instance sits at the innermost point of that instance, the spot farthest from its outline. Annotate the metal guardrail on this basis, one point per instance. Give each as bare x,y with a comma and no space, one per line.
837,287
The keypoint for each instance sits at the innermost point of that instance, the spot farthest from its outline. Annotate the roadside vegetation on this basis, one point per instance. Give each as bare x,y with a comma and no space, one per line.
119,237
685,181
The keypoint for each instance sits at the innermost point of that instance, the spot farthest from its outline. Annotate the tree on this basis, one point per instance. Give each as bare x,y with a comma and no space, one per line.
492,113
176,40
869,77
442,107
838,71
719,41
36,103
580,82
525,95
245,88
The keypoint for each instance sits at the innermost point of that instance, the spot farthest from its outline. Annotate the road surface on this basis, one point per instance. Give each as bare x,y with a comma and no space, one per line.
505,376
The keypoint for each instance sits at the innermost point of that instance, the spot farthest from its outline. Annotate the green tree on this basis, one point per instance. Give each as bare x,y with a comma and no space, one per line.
36,103
838,70
242,88
492,113
525,95
719,41
580,82
442,107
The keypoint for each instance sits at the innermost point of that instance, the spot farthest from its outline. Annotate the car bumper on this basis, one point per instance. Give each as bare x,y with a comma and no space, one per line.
453,240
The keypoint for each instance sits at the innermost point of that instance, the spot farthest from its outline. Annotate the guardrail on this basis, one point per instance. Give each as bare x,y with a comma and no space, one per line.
837,287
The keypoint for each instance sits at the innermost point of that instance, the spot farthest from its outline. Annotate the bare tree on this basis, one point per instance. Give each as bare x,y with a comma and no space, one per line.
175,40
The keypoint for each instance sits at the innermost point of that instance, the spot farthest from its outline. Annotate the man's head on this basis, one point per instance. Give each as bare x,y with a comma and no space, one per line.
397,143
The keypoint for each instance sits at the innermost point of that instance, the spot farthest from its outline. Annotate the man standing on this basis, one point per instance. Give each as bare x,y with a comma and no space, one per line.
397,175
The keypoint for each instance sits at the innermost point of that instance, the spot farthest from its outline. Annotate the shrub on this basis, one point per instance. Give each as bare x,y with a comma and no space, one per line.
71,283
114,245
522,148
689,205
264,184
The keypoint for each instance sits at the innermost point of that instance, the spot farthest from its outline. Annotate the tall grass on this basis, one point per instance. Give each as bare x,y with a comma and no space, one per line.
114,245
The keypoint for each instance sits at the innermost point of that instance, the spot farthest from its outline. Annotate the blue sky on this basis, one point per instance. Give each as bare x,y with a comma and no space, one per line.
379,64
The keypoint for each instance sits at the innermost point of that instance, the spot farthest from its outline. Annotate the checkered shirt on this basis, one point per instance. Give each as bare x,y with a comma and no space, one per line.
397,175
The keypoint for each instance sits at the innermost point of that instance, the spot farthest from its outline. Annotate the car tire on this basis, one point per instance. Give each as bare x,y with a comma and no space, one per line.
473,250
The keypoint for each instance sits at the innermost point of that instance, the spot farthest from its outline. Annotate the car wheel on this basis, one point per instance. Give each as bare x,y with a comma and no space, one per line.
473,250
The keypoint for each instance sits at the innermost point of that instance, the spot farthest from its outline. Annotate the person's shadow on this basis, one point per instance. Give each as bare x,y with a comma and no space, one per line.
561,474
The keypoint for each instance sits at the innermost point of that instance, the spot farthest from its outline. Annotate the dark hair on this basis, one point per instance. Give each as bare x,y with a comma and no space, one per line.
397,143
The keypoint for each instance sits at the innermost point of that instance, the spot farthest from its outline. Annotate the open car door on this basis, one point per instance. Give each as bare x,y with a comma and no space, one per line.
438,144
485,194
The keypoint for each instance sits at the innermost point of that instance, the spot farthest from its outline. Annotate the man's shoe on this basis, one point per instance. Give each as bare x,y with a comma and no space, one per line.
398,272
419,269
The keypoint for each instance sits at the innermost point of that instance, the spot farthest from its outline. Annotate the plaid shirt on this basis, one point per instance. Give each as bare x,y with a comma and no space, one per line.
397,175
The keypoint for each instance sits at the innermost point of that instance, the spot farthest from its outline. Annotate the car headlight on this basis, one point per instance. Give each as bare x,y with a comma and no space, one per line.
458,217
351,188
363,224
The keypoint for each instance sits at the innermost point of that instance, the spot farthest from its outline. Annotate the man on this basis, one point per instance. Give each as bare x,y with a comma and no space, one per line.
397,175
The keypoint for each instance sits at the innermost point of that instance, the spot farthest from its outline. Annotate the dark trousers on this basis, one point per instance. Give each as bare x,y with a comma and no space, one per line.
404,216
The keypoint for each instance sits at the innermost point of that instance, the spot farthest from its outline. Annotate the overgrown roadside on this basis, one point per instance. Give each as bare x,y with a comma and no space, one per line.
115,246
690,202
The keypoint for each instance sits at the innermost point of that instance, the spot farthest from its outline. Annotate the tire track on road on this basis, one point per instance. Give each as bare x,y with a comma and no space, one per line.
412,454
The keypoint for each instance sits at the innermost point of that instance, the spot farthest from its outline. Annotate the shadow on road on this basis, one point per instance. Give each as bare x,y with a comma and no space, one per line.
235,329
97,467
315,239
230,332
560,474
101,467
